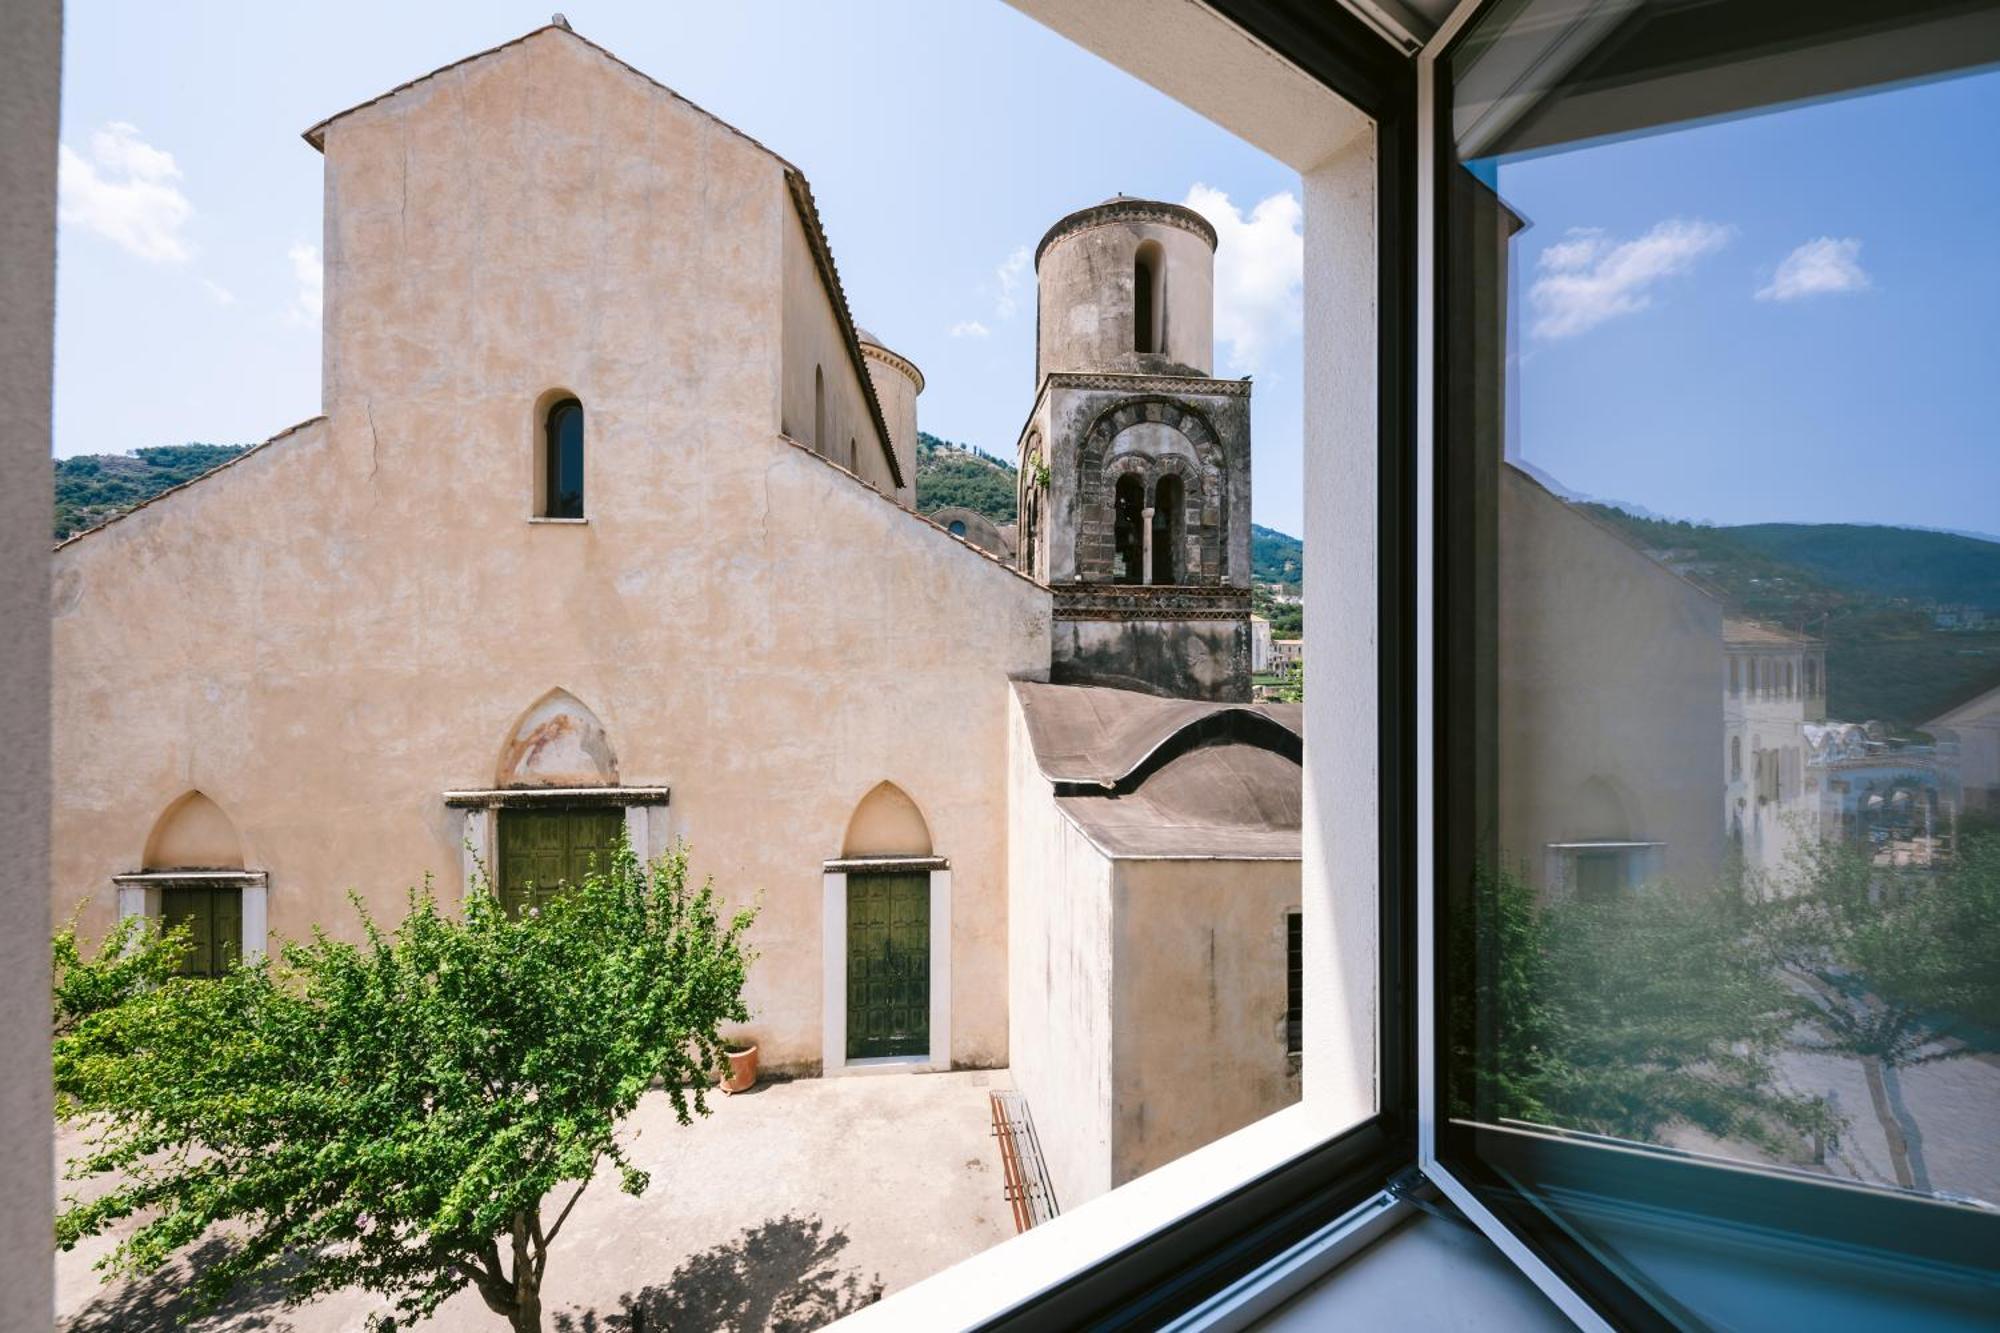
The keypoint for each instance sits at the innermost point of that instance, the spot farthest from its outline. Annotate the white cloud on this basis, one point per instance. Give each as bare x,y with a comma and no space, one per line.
1586,279
1010,275
1259,272
306,267
969,328
1817,267
218,293
125,192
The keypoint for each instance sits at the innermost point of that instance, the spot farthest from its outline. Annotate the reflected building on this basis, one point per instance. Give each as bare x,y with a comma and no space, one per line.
1776,689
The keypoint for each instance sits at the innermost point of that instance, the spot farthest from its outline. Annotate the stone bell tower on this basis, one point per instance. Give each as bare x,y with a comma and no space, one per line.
1135,462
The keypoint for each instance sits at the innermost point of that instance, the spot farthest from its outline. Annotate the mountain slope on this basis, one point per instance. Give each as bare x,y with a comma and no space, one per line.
93,488
1893,562
949,473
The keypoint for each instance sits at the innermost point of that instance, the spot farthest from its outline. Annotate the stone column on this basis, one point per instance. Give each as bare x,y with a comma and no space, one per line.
1146,545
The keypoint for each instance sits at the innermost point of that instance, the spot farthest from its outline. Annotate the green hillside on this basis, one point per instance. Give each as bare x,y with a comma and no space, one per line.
1892,562
949,473
1276,558
91,488
1869,592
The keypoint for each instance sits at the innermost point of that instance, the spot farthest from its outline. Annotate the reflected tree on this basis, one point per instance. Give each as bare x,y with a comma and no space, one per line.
1625,1017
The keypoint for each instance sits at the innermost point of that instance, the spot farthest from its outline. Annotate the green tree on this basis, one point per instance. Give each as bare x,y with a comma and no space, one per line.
393,1115
1625,1016
1901,964
136,956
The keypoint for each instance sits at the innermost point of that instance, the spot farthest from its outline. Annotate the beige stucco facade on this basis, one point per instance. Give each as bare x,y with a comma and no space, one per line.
1609,674
327,635
1148,990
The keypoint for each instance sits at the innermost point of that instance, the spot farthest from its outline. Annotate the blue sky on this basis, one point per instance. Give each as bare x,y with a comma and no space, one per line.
941,139
1670,356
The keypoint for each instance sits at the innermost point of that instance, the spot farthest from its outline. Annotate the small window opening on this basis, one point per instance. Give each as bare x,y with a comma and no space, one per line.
1128,529
819,409
1146,299
562,453
1167,531
1295,983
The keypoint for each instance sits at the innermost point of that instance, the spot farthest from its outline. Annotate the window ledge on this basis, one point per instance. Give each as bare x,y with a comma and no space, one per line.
559,522
183,878
530,797
994,1281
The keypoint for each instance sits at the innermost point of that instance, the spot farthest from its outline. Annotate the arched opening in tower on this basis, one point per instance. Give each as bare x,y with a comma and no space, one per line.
1167,530
1145,298
1128,531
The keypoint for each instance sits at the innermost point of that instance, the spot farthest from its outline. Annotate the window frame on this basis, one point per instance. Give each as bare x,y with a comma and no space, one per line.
1191,1259
1770,1208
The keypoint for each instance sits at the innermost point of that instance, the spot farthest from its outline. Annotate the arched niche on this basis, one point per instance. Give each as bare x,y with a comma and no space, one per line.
1601,808
558,742
193,834
886,823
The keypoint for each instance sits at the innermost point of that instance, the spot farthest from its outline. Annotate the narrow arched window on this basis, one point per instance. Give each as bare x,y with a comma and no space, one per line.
562,460
1128,531
1167,531
819,409
1145,298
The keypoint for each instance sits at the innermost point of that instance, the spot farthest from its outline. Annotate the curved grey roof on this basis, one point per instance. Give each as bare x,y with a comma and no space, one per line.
1169,779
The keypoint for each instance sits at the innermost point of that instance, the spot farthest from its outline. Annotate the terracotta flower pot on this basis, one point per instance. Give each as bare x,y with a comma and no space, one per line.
742,1068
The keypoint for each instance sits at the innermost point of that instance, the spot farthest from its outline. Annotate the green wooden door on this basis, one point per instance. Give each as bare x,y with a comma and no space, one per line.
541,850
214,918
888,965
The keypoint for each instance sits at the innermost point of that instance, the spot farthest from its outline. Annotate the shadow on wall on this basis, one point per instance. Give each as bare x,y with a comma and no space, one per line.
159,1303
779,1276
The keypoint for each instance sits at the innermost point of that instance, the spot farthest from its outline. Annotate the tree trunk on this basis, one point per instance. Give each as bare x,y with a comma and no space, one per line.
527,1316
1899,1147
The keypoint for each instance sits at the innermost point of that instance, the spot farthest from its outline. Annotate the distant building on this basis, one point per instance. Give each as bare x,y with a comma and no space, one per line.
972,526
1260,646
1970,735
1287,654
1775,689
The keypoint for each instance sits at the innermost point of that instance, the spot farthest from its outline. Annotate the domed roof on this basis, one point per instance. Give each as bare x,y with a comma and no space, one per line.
1127,208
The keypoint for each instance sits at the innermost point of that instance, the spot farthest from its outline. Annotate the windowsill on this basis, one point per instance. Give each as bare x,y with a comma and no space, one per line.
559,522
992,1282
524,798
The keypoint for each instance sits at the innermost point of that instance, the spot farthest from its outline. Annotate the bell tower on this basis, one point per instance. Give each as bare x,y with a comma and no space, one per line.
1135,462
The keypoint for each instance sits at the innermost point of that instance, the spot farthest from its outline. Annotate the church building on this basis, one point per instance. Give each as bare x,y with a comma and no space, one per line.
607,527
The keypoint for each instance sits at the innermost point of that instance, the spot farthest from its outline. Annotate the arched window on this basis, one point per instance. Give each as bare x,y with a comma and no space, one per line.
819,409
562,460
1167,530
956,527
1146,298
1128,529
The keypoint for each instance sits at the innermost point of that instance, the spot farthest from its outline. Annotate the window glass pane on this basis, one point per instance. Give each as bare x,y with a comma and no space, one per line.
1722,862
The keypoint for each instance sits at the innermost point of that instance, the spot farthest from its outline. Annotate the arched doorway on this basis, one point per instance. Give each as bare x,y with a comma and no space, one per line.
887,919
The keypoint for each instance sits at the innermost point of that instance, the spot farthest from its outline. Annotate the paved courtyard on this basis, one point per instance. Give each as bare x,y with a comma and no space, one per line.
788,1206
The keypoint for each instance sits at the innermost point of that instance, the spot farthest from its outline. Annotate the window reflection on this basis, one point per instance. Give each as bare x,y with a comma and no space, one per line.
1735,586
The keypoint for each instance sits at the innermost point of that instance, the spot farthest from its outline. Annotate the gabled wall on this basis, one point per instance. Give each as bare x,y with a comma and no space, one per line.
327,635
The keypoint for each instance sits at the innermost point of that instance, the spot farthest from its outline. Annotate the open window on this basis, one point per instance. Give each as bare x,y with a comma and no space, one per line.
1687,1068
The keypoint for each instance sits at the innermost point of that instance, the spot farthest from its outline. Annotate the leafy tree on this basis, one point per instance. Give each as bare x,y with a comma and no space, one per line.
1901,964
1624,1017
136,956
394,1114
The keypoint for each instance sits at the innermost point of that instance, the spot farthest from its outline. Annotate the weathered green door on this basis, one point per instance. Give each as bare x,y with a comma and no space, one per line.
888,965
214,918
541,850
